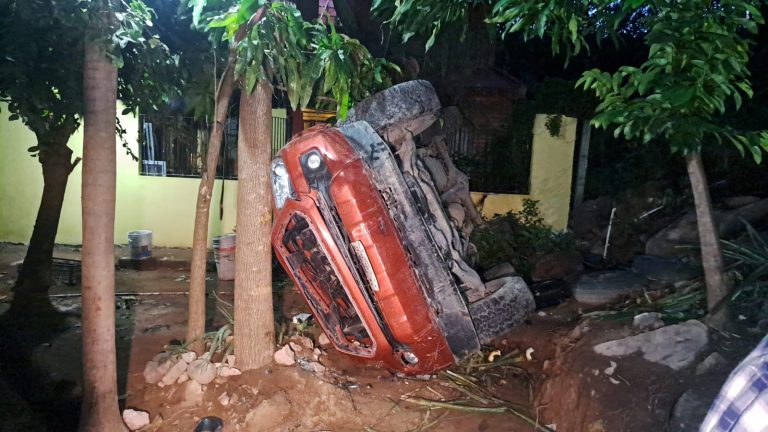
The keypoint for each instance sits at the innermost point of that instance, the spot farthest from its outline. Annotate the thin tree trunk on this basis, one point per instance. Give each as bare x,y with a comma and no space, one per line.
99,407
35,277
196,319
711,255
254,320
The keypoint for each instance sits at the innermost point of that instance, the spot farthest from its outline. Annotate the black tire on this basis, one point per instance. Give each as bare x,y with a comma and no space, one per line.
398,104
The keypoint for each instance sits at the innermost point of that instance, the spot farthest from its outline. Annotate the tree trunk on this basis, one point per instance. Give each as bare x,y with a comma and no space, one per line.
711,256
196,319
254,320
99,406
35,277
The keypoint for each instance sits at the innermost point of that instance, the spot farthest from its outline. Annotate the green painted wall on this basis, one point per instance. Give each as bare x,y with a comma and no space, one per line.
551,176
165,205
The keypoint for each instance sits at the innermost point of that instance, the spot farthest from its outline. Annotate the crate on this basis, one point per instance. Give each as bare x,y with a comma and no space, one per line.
65,271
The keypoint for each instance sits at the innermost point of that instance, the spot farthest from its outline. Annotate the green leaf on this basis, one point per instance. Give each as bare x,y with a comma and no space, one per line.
573,26
431,40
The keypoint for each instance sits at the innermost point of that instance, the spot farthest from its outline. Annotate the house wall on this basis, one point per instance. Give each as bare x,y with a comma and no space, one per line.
165,205
551,176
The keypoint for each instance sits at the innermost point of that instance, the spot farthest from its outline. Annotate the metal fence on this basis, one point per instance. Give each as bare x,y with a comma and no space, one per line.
173,146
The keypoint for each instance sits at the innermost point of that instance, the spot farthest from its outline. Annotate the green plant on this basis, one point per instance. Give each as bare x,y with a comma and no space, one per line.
519,238
751,260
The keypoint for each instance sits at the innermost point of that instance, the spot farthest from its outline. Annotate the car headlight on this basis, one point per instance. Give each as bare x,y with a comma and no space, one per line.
282,189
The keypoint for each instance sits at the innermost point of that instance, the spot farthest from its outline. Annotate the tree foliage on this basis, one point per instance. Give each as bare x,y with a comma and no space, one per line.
696,69
306,59
41,61
41,64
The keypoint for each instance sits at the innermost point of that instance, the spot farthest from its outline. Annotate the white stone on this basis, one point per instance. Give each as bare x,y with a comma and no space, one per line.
295,347
174,373
285,356
224,399
323,340
183,378
676,346
190,394
712,362
135,419
647,320
303,341
228,371
189,356
316,367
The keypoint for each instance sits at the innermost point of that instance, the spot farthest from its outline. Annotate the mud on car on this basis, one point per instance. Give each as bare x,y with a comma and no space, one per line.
376,238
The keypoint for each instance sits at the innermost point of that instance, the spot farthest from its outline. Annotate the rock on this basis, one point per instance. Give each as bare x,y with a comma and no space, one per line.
135,419
179,367
665,268
682,232
503,309
676,346
647,320
151,373
223,399
188,394
269,414
183,378
189,356
499,271
607,286
312,366
285,356
739,201
295,347
228,371
155,370
691,408
303,342
323,340
713,361
733,222
591,216
557,265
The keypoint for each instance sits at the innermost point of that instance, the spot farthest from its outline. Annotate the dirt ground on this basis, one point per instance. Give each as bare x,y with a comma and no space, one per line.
561,385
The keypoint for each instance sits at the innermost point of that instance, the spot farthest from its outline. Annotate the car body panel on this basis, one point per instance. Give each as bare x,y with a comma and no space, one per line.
345,254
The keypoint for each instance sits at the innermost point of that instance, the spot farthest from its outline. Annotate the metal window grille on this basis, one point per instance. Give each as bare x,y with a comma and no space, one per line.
175,146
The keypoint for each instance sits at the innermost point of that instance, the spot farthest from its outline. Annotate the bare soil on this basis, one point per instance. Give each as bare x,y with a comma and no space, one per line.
564,383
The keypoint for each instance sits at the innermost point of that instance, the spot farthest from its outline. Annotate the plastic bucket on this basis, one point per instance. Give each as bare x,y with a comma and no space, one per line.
140,243
224,255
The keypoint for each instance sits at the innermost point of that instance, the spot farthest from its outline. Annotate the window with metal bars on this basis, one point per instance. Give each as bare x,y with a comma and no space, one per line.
175,146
